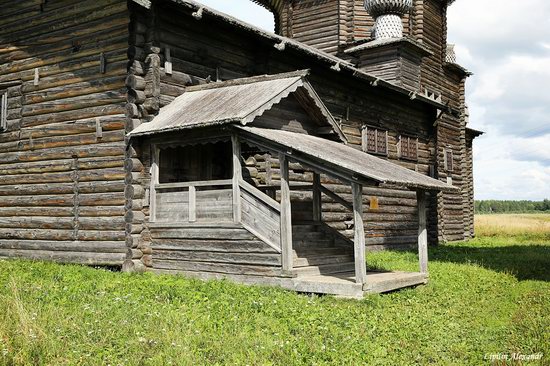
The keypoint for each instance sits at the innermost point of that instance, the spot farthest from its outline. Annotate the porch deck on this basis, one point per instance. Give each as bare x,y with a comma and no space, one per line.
344,284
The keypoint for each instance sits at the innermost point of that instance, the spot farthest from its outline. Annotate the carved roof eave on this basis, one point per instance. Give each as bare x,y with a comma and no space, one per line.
453,66
276,6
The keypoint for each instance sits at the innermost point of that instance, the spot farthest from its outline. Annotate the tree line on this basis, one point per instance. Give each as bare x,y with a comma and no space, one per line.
495,206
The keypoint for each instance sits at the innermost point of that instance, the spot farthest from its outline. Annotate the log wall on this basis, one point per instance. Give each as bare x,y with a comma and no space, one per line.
426,23
62,185
196,56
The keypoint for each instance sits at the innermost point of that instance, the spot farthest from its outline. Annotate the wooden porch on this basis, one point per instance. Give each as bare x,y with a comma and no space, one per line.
230,228
209,220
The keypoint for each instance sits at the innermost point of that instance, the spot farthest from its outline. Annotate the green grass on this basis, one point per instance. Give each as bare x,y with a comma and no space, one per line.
488,296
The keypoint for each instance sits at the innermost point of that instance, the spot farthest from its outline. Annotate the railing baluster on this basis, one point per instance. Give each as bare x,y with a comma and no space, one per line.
192,204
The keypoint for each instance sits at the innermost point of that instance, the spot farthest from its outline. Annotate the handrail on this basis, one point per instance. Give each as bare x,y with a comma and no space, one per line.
260,195
201,183
293,187
336,197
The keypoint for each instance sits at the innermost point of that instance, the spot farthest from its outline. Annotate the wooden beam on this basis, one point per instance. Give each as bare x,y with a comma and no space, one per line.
359,236
154,182
260,195
422,232
317,202
336,197
237,177
286,216
199,183
192,204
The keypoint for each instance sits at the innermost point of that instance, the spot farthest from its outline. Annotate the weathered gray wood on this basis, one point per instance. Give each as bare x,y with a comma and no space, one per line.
422,233
71,246
212,245
263,259
204,183
237,177
89,258
154,181
210,205
359,234
336,197
261,220
192,204
259,195
317,201
212,232
286,216
380,282
218,267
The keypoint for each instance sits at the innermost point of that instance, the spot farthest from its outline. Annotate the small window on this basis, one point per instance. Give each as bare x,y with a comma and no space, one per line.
408,147
3,110
448,156
375,141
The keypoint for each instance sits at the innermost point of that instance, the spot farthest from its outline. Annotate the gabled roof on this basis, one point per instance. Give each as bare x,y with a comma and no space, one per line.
236,101
339,158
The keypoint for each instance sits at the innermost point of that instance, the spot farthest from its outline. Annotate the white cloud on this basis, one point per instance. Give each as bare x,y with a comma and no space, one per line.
244,10
506,44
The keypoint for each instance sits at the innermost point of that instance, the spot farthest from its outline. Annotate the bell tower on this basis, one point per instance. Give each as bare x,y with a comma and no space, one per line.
401,41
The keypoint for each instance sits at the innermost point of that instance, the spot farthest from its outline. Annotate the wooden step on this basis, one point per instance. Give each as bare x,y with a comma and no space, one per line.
306,228
312,235
321,260
318,251
325,269
341,285
324,243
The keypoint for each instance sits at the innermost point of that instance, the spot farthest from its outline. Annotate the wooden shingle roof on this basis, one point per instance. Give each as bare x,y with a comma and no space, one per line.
337,157
235,101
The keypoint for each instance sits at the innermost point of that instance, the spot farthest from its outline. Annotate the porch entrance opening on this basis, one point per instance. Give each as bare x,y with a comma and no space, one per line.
192,163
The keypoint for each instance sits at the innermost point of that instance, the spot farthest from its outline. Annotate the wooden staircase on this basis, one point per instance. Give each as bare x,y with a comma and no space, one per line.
317,251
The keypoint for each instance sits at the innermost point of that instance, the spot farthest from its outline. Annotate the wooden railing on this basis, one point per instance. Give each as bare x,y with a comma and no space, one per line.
271,191
190,202
261,215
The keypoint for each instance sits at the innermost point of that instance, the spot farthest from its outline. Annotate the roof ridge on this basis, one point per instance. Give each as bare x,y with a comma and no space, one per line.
249,80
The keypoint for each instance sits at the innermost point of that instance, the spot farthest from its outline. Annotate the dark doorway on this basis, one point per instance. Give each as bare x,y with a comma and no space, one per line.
194,163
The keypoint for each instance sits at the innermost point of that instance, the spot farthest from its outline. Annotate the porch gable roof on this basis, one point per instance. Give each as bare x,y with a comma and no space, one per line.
344,160
236,101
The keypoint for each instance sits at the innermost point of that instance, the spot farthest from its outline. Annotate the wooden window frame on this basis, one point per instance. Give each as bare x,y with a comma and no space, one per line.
364,140
3,110
401,150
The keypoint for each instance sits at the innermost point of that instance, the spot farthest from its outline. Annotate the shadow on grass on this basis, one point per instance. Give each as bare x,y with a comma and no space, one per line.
525,262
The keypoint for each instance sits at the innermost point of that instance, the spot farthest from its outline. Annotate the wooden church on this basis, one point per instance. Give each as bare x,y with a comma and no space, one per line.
165,136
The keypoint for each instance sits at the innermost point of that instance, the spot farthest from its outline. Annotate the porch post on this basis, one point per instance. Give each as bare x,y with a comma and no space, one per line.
154,181
422,232
286,218
317,204
359,236
237,176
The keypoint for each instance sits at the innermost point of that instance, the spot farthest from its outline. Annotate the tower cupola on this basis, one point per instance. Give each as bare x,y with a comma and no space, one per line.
388,15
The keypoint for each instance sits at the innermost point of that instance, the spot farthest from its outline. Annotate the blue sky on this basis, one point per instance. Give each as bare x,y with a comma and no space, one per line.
506,44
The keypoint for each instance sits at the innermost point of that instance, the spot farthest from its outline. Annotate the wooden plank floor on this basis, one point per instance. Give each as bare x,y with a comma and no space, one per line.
343,284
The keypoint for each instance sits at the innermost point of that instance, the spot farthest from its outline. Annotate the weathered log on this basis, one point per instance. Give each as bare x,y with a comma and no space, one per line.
135,82
112,259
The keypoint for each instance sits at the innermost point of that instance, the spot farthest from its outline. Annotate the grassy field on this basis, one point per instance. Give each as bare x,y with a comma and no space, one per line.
488,296
525,226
